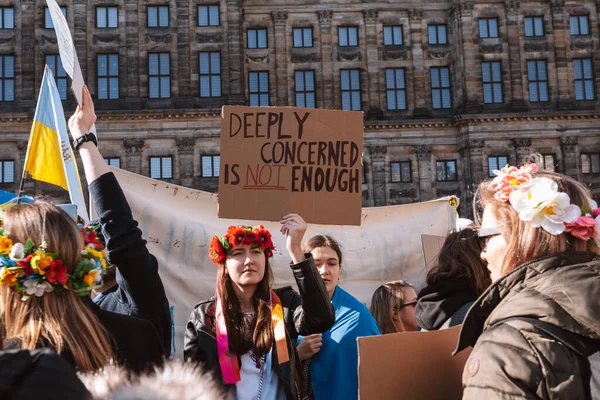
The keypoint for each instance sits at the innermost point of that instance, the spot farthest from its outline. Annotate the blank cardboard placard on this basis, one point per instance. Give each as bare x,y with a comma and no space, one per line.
281,160
413,365
432,245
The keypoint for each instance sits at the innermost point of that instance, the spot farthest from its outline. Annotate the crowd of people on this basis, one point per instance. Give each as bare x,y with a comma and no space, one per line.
84,315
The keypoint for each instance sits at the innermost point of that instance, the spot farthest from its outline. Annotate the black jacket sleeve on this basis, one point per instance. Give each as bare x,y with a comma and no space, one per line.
140,290
312,310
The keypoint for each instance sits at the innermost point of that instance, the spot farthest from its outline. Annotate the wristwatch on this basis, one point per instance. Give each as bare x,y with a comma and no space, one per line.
88,137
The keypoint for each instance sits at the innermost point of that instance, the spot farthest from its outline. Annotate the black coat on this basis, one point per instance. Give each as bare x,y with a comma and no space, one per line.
305,313
139,291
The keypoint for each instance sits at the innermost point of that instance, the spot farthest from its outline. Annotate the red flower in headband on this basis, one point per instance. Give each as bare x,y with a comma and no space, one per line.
217,252
240,235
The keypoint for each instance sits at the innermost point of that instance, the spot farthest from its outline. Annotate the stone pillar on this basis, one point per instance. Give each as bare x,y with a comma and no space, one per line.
235,48
185,149
184,56
132,43
327,94
133,154
560,53
419,80
471,153
471,71
27,90
374,110
514,54
426,177
280,20
568,147
522,149
379,175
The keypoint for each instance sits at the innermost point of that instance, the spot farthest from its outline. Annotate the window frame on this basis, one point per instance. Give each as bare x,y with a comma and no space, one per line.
159,76
400,163
533,19
350,90
208,7
161,158
545,165
3,172
58,78
395,89
537,81
437,34
108,76
583,79
445,164
109,160
158,9
4,79
3,16
259,93
106,14
302,30
492,83
346,28
578,18
305,93
48,24
212,165
487,25
210,74
499,167
590,155
257,30
393,36
440,88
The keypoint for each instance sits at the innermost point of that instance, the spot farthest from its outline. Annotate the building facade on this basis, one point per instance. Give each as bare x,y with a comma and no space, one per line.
450,90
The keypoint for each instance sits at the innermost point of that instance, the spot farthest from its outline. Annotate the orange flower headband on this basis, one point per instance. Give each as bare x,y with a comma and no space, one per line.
257,236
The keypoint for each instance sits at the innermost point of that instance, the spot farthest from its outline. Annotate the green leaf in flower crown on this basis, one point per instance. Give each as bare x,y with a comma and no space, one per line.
28,247
584,209
224,243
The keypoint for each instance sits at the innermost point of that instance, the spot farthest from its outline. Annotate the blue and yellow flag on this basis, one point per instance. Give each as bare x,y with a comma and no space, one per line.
49,155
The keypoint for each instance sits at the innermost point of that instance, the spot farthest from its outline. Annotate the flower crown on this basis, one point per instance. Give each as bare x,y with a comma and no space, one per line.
537,200
257,236
35,271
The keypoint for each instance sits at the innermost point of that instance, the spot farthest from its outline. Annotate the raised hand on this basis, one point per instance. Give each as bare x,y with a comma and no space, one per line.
294,227
84,118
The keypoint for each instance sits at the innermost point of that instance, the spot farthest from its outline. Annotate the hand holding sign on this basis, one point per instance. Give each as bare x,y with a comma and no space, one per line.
294,227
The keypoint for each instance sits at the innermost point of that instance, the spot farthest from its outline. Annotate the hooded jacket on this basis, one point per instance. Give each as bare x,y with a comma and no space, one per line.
512,357
305,313
444,304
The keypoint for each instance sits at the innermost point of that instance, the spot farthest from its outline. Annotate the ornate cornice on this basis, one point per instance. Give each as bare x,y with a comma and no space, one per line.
566,141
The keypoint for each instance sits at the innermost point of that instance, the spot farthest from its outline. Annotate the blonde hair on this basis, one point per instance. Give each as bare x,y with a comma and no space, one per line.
526,242
58,320
388,296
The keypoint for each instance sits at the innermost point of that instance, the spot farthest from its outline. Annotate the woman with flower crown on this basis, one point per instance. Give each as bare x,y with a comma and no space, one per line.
246,334
49,266
535,329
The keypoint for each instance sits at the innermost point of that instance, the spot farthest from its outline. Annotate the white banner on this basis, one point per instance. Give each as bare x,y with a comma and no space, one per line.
178,224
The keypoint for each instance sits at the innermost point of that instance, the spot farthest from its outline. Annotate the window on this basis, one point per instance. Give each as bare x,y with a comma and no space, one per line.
108,76
498,163
538,80
210,74
107,17
395,89
257,38
303,37
161,167
392,35
348,36
7,171
208,15
534,26
113,161
590,163
210,166
437,34
7,78
159,75
491,76
446,170
158,16
7,18
488,28
60,75
401,171
305,88
580,25
350,87
364,173
548,160
48,19
258,88
440,87
584,79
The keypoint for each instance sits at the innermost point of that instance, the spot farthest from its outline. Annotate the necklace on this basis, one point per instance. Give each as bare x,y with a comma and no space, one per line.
262,360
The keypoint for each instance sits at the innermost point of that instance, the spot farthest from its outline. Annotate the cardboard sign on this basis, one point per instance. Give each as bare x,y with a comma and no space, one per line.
432,245
281,160
413,365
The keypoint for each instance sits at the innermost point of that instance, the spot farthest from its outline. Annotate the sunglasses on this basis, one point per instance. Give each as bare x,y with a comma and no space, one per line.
485,234
412,303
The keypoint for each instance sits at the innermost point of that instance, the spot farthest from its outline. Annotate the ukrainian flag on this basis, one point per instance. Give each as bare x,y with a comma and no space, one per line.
49,155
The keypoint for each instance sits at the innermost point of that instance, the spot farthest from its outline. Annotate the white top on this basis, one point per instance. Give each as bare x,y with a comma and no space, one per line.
247,387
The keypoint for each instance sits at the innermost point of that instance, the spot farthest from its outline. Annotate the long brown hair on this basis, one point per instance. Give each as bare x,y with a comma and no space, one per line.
460,257
59,320
387,297
525,242
245,335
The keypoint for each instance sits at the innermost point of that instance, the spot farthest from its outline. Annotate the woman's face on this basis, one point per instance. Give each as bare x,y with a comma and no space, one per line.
328,265
494,247
407,312
245,265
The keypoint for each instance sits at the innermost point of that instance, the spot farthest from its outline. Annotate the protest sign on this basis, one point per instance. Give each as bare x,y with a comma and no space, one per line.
432,245
411,365
281,160
179,222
